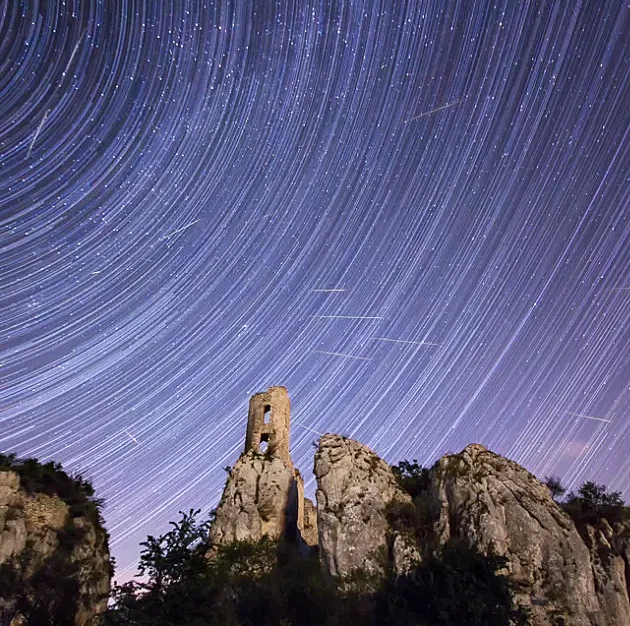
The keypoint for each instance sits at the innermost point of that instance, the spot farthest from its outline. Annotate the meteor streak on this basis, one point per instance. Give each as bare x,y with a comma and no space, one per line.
417,343
179,230
589,417
132,438
311,429
444,106
28,154
74,51
328,290
348,317
347,356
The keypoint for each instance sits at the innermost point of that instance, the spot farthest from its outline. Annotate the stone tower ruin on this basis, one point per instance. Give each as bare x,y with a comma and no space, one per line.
264,493
268,423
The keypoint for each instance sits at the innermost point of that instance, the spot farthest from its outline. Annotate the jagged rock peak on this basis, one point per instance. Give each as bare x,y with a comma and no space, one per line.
260,498
355,487
495,504
52,546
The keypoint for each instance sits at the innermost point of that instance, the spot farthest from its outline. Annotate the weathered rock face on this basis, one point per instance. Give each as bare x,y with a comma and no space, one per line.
262,496
42,545
620,543
609,569
354,489
309,525
365,521
496,504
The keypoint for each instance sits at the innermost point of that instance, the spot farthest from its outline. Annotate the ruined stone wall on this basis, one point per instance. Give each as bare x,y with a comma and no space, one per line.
269,421
39,538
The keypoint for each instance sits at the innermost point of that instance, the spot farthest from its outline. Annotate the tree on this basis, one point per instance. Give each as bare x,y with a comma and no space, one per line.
593,502
594,495
177,555
555,487
412,477
177,582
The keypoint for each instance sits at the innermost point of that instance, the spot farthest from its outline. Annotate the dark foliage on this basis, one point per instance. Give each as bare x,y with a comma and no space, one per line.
50,479
412,477
555,487
592,503
413,518
268,583
176,555
460,587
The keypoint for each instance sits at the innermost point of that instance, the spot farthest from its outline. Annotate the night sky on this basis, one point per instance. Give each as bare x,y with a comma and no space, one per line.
415,215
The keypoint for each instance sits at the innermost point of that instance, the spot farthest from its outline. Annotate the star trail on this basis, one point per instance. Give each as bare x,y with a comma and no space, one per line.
415,215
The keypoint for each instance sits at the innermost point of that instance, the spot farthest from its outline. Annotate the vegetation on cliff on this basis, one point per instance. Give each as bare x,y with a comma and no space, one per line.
591,504
270,583
54,571
50,479
185,581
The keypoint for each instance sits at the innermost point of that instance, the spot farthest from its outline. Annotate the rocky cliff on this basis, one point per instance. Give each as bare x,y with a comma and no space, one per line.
495,504
564,573
354,490
54,557
564,576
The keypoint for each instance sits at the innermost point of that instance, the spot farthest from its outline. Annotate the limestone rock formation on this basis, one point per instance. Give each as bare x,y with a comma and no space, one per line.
496,504
566,575
609,564
354,489
260,498
264,493
50,555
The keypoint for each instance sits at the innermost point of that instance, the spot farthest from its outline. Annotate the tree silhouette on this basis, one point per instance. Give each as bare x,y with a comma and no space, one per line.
555,487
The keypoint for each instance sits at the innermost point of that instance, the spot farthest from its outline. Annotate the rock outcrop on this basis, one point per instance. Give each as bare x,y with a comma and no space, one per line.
495,504
609,564
355,487
563,575
52,557
308,528
261,498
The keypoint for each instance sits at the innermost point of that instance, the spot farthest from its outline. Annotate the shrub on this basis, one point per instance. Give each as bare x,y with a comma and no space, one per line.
267,583
461,587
